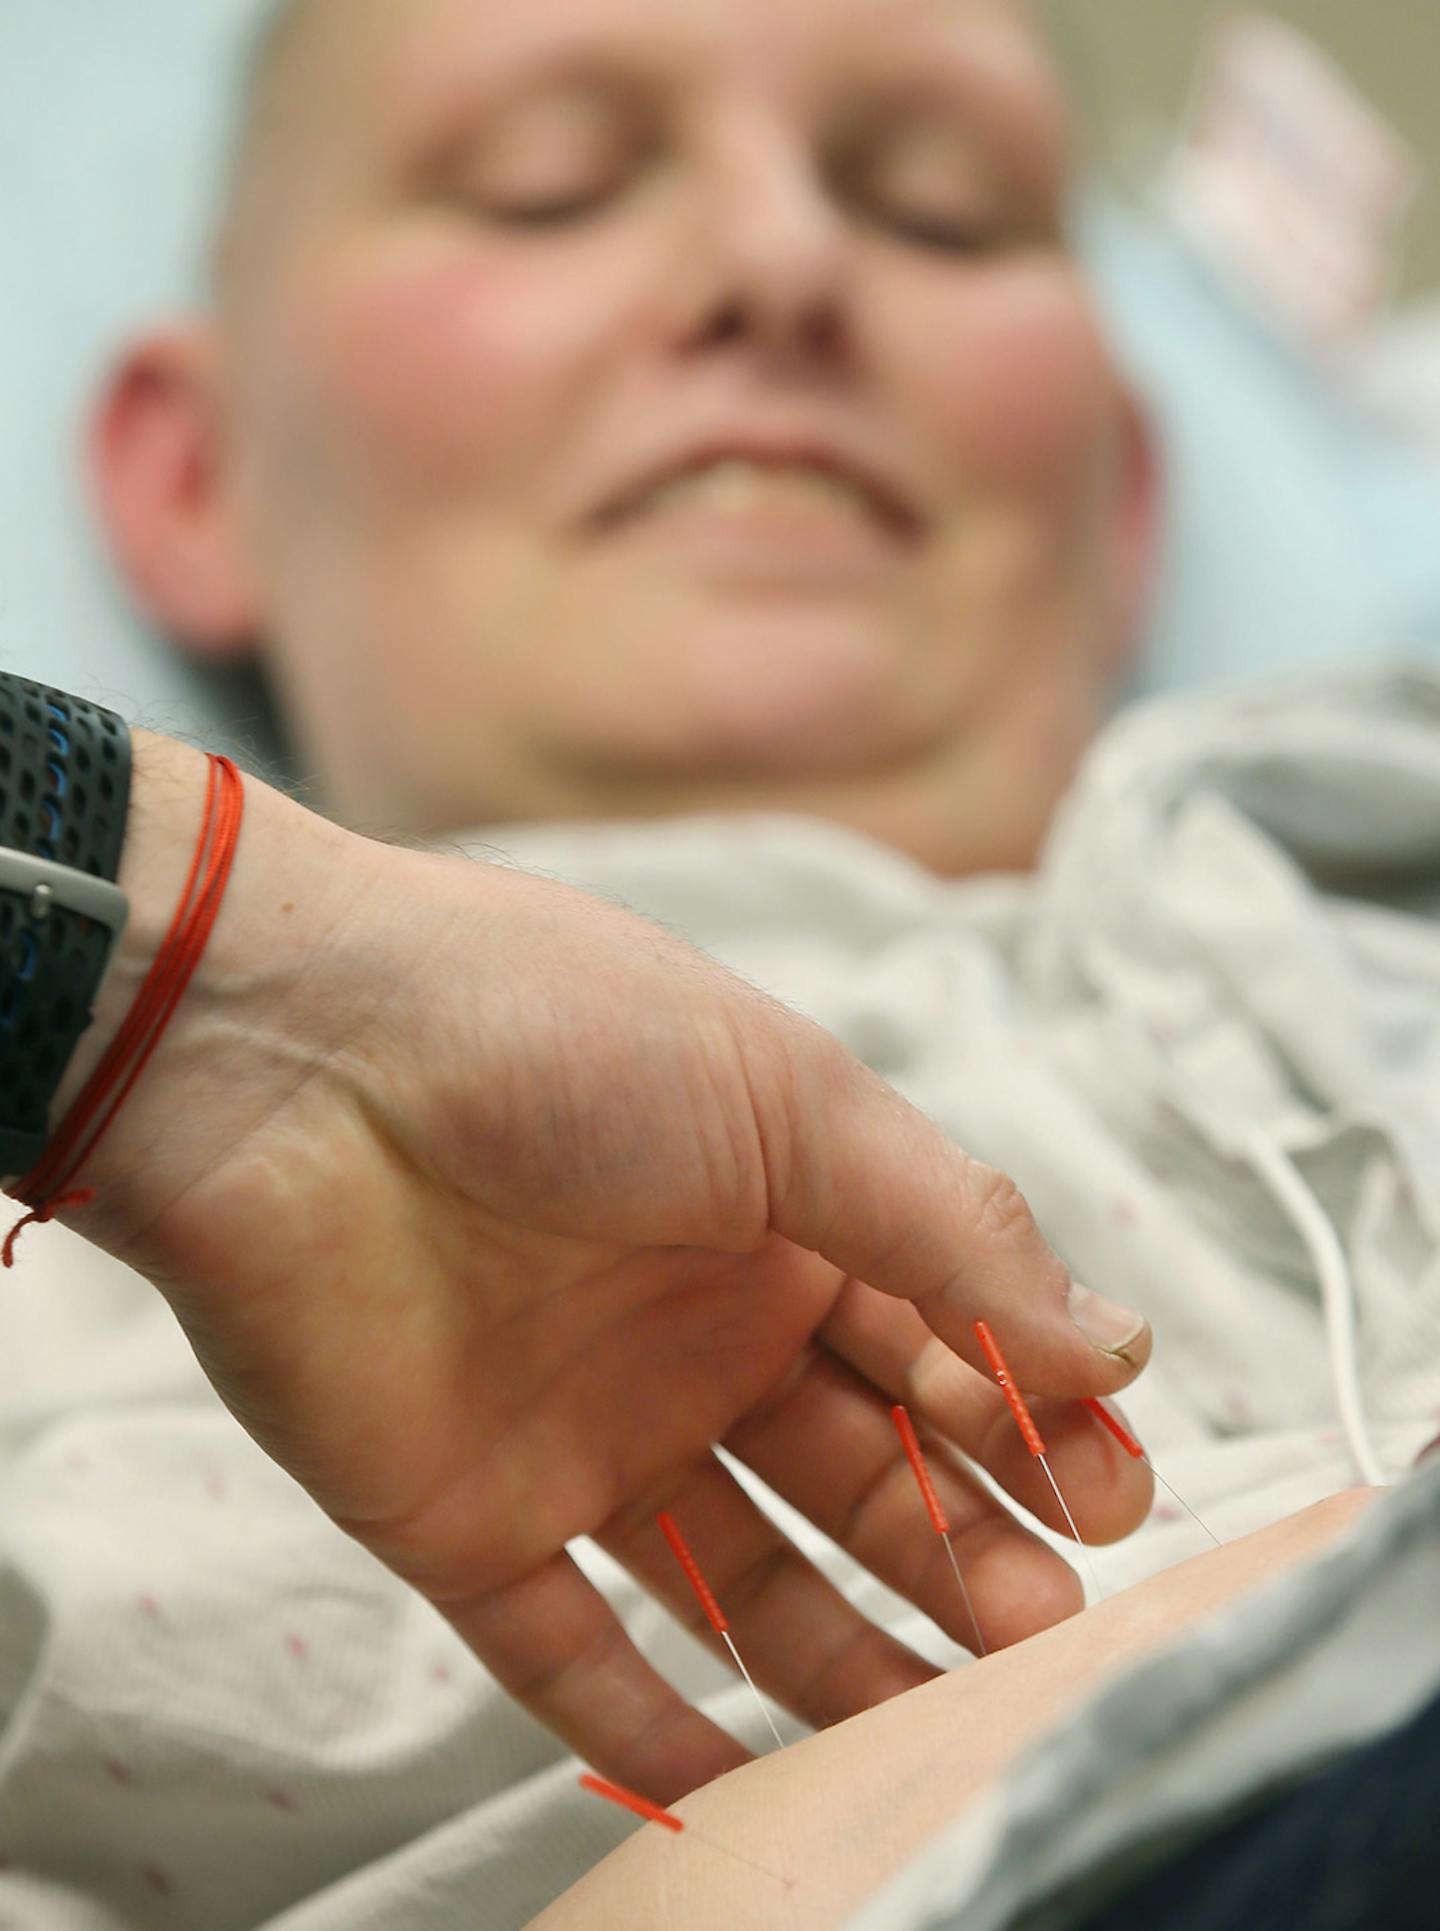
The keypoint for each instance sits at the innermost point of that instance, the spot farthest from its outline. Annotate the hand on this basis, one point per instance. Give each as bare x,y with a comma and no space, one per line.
489,1207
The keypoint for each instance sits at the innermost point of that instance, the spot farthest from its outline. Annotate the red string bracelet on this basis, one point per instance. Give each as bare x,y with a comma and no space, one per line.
49,1186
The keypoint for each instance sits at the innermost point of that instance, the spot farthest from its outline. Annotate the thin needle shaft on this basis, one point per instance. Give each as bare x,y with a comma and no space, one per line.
939,1521
631,1800
1183,1503
1044,1461
969,1606
1132,1447
714,1613
741,1858
1025,1421
730,1645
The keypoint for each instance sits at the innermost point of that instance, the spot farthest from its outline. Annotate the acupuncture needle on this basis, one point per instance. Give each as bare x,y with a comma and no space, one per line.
712,1609
631,1800
939,1521
1030,1434
1132,1447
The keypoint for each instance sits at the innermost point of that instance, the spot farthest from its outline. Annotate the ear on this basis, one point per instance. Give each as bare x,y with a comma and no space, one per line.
1135,532
160,467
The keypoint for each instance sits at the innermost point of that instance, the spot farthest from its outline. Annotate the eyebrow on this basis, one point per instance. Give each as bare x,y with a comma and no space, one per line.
974,73
439,92
1015,103
1022,142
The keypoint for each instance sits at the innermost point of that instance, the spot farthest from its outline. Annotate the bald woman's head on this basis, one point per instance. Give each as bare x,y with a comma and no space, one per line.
624,407
287,69
302,51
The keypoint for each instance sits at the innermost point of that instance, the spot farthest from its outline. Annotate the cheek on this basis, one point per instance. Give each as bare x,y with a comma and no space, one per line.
431,368
1021,393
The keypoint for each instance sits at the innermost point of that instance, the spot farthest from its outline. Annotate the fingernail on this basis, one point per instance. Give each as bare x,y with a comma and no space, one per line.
1105,1323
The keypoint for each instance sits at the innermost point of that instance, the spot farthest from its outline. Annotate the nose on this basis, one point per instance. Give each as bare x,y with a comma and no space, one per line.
765,256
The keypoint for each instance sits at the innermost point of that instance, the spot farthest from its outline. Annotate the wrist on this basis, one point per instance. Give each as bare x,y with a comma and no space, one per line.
293,876
167,787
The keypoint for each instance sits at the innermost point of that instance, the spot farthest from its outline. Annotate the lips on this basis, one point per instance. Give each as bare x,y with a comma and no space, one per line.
806,471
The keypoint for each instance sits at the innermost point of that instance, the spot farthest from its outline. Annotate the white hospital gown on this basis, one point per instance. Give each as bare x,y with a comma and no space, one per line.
1204,1039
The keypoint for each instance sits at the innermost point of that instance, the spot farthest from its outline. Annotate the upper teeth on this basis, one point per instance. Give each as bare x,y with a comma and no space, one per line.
737,484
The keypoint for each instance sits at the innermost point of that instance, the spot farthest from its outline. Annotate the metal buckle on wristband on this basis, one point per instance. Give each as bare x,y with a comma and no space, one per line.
45,884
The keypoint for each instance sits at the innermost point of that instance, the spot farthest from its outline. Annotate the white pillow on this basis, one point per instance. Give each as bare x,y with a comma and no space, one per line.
1303,527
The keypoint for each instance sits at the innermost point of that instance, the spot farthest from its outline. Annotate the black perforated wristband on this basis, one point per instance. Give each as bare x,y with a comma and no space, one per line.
64,803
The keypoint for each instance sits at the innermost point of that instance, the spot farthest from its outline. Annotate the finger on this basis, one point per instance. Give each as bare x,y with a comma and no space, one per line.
556,1645
860,1176
829,1446
888,1344
803,1643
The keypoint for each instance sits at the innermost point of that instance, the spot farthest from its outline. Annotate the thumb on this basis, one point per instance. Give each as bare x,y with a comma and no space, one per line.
862,1177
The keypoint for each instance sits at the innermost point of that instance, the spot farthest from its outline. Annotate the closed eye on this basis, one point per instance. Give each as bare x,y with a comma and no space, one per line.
555,211
939,233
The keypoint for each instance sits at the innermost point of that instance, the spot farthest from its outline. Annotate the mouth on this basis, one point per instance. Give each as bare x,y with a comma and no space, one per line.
785,489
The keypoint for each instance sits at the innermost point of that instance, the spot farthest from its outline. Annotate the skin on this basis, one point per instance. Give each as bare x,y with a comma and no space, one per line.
842,1812
507,263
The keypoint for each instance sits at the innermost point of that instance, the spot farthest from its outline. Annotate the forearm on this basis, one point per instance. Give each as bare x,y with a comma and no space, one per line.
840,1813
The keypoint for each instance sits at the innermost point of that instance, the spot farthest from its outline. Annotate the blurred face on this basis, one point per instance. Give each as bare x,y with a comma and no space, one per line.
641,406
